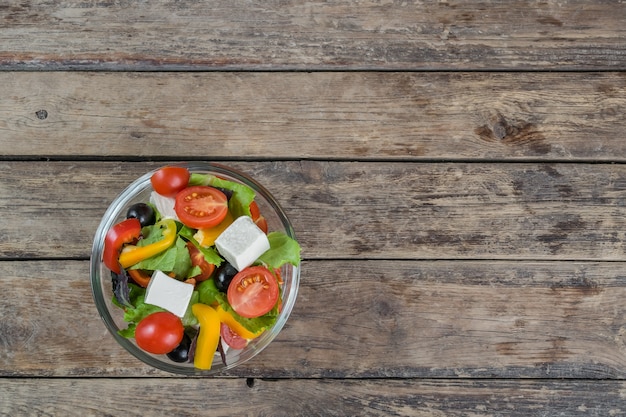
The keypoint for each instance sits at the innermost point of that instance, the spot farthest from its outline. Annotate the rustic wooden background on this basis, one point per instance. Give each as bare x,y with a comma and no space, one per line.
454,172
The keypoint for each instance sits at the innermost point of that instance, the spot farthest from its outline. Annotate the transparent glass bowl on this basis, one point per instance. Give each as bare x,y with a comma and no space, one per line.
139,191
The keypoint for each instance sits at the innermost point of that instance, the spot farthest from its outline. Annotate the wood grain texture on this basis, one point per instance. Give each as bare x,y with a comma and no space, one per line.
455,172
353,115
358,319
296,34
355,210
310,398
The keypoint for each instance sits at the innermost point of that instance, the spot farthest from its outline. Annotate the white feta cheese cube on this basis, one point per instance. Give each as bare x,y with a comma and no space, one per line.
168,293
242,243
164,205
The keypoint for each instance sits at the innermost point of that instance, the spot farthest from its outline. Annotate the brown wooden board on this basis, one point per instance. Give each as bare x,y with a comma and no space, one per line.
357,319
307,398
353,115
454,170
258,35
357,210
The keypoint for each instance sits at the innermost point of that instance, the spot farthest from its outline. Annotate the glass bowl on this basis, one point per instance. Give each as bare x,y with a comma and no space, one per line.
139,191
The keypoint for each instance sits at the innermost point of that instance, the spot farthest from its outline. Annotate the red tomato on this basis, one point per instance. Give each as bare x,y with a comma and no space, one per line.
254,210
168,181
124,232
201,207
231,338
253,292
197,259
278,275
159,333
256,216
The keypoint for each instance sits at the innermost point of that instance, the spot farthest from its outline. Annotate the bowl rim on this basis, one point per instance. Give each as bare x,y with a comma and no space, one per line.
111,215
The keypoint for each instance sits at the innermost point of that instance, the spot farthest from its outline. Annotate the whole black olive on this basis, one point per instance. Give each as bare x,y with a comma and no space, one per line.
223,276
142,212
181,352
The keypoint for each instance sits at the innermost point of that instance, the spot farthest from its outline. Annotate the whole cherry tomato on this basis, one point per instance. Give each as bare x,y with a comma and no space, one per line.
159,332
168,181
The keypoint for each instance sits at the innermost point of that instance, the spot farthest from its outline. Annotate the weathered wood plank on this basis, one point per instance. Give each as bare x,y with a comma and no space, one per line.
293,398
396,116
299,34
355,210
358,319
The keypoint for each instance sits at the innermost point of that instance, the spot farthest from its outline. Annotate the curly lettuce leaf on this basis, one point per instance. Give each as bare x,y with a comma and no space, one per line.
128,332
283,249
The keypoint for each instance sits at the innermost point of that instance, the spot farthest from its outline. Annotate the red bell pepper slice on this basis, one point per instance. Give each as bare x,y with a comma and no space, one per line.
126,231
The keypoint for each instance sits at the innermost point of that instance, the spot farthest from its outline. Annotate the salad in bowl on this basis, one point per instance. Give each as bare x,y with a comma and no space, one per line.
195,268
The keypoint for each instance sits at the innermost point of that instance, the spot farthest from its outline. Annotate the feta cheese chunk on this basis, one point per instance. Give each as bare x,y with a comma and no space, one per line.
164,205
168,293
242,243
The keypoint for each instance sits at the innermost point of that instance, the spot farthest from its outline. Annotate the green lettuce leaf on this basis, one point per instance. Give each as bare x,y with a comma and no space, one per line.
189,319
176,259
141,310
128,332
283,249
210,254
196,270
182,263
150,234
207,292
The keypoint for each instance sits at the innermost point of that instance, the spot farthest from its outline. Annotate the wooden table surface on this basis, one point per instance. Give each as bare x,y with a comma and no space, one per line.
454,171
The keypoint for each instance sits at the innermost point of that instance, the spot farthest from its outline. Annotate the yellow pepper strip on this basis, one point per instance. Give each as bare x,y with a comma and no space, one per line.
134,254
209,335
235,326
206,237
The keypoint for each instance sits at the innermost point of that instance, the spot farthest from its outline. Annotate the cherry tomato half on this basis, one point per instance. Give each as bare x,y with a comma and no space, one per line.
231,338
253,292
124,232
201,207
257,217
159,333
168,181
197,259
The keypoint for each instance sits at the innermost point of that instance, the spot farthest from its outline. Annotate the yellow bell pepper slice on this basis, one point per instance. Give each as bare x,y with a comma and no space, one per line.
135,254
206,237
235,326
209,335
